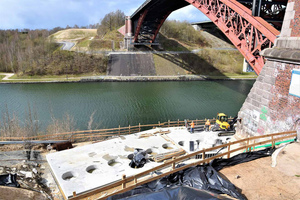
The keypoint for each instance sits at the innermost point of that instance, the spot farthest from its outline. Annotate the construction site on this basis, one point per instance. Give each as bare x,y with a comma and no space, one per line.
127,162
252,156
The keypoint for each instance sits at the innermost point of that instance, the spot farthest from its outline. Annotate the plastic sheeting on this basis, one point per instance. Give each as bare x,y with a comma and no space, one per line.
9,180
187,183
178,193
219,163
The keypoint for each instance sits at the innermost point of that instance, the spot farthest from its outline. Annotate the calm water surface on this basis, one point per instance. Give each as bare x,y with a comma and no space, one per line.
124,104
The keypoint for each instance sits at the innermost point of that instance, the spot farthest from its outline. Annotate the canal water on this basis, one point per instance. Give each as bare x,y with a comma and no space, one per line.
126,103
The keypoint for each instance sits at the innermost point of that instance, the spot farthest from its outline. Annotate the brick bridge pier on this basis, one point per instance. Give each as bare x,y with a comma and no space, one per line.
273,104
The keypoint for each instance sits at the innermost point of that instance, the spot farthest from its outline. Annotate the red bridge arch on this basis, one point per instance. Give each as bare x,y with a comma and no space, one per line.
249,34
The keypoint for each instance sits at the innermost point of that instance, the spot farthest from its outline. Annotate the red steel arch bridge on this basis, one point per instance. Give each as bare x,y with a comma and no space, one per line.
251,25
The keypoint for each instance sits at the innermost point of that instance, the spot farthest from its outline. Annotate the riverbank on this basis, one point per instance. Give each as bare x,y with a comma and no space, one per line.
8,80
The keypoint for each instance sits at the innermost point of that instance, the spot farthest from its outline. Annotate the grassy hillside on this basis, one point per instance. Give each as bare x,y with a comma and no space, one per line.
73,34
179,36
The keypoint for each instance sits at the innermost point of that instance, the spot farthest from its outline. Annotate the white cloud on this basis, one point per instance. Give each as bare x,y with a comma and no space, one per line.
188,13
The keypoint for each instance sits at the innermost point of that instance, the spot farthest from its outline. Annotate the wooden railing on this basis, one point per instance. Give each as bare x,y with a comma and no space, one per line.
167,168
92,135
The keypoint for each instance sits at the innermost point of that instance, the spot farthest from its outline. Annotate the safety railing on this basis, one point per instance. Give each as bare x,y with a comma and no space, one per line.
92,135
169,166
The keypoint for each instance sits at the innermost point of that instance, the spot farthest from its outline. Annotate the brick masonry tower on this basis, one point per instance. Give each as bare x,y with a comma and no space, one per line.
273,104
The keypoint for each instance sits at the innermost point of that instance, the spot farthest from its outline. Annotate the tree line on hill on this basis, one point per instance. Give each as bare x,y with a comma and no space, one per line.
31,52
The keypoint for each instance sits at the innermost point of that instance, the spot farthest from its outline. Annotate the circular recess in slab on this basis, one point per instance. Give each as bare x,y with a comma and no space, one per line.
181,143
92,154
149,151
91,169
152,151
114,163
167,146
68,176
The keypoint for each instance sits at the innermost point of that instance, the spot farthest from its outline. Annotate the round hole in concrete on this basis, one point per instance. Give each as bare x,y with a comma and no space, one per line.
149,151
181,143
92,154
167,146
114,163
68,176
91,169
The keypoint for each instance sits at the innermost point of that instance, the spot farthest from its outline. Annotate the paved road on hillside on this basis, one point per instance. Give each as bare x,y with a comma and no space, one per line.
66,45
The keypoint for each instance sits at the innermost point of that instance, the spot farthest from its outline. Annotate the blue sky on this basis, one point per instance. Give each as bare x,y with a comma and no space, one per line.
39,14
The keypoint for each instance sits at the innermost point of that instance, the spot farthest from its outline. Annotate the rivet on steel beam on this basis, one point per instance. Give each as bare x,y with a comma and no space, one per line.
252,59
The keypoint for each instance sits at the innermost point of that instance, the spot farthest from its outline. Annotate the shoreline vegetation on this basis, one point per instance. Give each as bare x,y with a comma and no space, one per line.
104,78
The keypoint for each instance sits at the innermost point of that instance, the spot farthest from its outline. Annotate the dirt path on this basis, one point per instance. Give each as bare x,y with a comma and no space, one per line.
7,75
258,180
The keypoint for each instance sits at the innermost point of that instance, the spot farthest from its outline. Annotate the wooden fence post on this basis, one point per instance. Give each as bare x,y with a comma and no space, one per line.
203,155
196,121
273,143
168,123
247,149
228,155
139,127
159,124
123,184
178,122
119,130
173,163
129,129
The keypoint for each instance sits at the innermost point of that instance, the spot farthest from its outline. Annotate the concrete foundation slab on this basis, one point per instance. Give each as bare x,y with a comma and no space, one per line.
96,165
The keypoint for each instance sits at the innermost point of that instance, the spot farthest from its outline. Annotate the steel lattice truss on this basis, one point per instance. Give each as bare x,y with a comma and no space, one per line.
248,33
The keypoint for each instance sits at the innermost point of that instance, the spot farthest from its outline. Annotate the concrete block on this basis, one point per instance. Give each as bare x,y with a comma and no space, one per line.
265,102
286,24
255,103
258,98
268,80
290,6
286,32
288,16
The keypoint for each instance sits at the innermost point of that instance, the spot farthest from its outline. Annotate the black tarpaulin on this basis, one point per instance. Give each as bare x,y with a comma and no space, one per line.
193,180
9,180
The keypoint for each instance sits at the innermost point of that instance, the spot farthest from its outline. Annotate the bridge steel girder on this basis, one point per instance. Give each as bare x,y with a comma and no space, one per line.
249,34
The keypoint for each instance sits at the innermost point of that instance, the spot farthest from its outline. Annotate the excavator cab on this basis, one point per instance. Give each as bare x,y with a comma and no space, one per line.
221,122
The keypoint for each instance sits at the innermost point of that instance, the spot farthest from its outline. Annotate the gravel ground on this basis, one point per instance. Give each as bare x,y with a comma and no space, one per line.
259,180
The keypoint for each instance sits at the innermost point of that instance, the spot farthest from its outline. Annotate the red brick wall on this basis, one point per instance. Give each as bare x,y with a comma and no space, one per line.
283,105
295,23
269,108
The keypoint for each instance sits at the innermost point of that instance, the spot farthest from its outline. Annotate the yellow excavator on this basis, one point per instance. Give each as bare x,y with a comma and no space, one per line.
221,123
